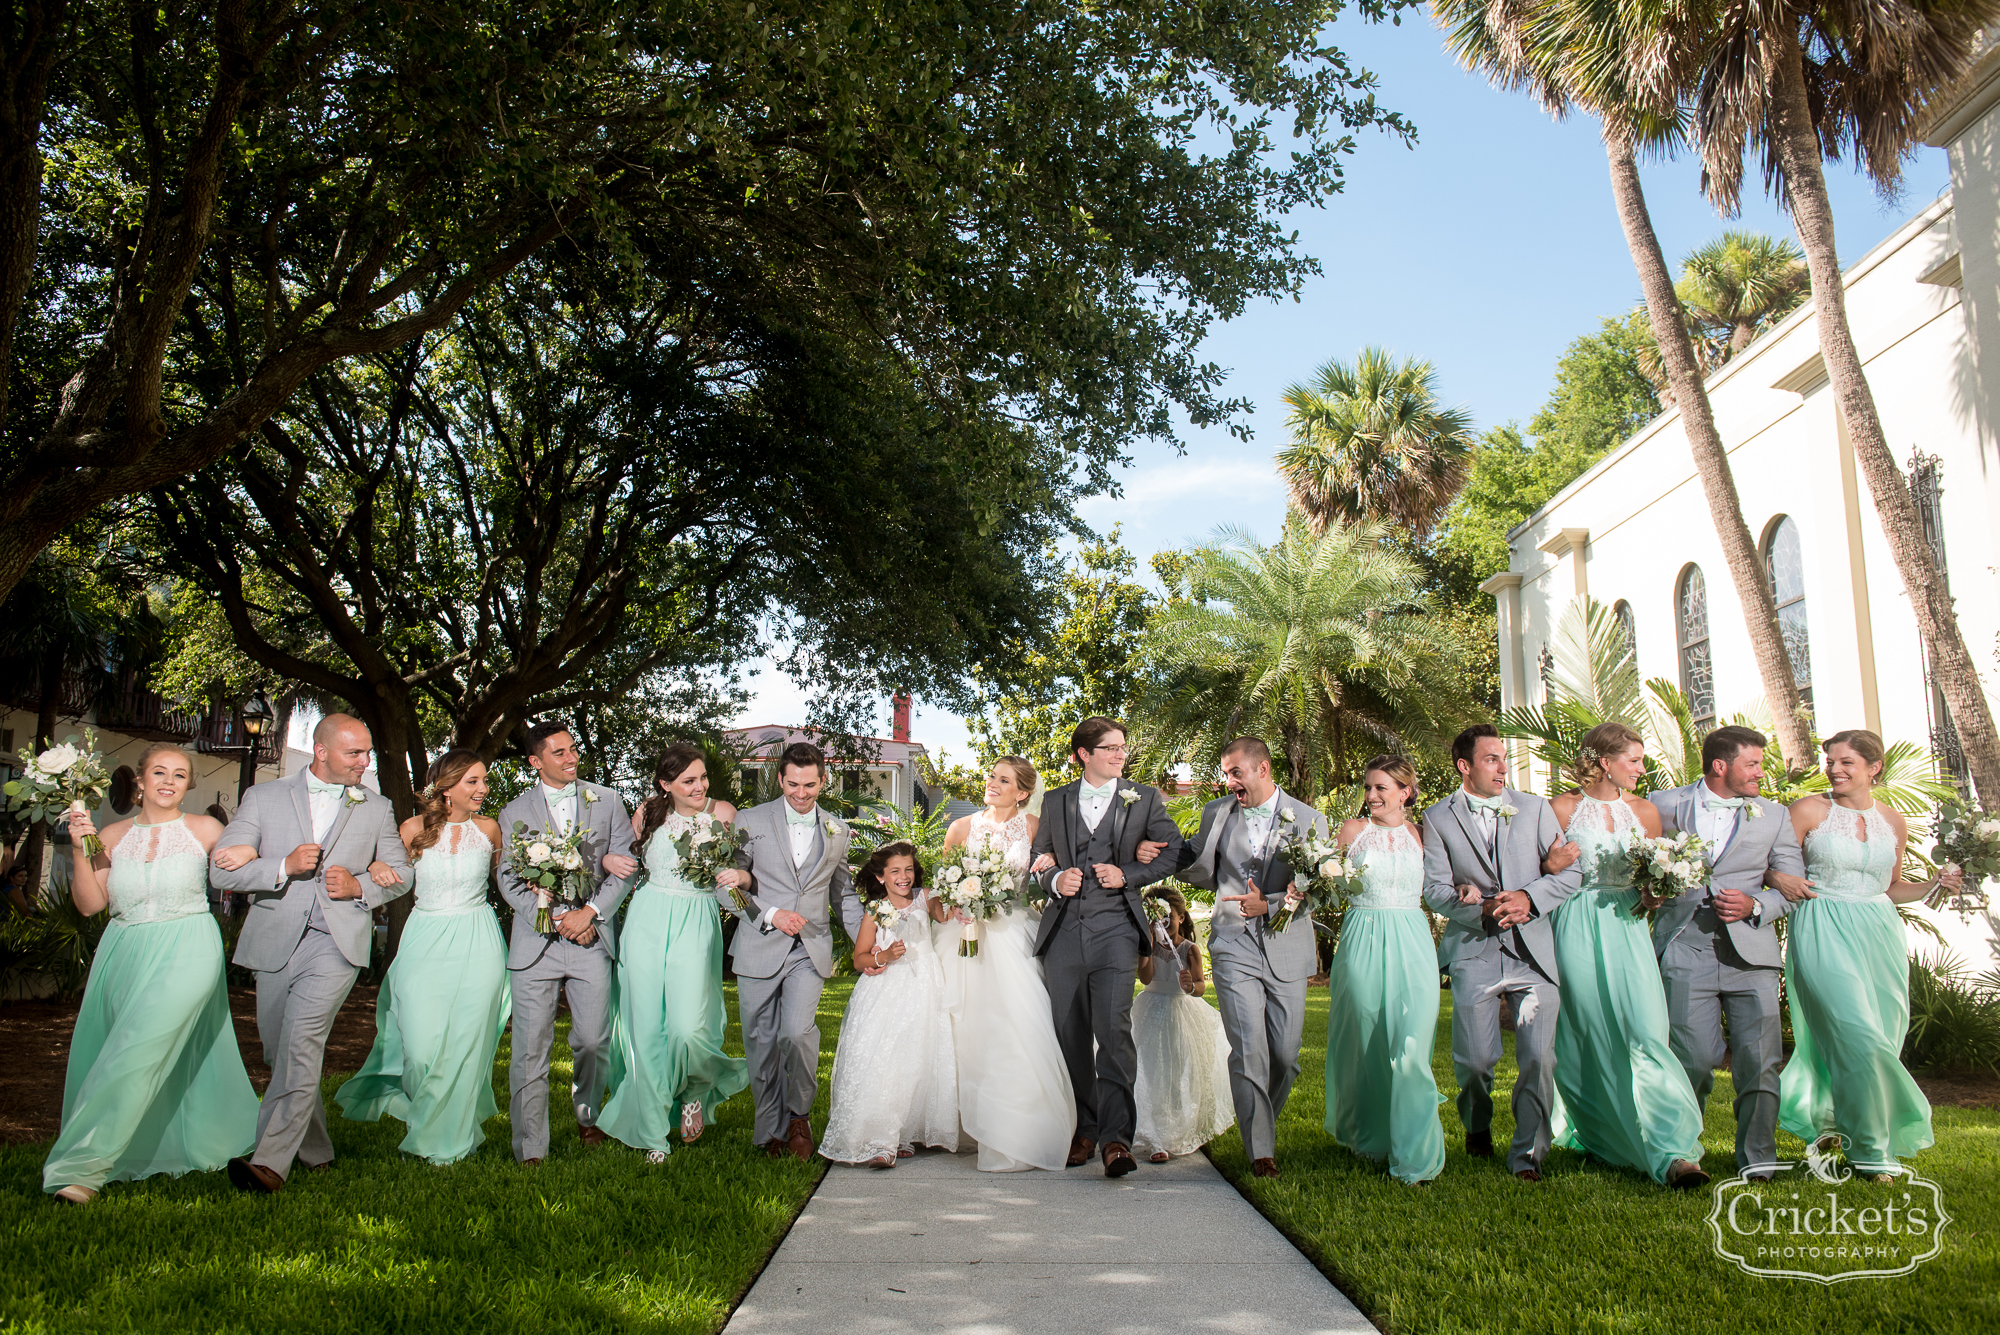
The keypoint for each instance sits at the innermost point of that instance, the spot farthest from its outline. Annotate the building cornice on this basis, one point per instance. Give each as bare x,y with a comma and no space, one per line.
1953,113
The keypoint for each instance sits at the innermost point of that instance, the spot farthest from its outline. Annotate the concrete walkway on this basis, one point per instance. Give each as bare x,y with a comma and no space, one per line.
934,1245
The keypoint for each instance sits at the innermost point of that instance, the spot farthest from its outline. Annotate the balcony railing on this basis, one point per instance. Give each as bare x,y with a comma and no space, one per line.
118,703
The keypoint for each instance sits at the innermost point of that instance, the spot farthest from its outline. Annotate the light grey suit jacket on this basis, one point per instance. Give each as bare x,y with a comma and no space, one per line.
275,818
1291,953
1456,853
1766,842
1144,817
808,891
608,830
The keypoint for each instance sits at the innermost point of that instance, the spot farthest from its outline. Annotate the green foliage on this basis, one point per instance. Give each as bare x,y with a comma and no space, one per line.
58,941
885,823
1084,666
966,783
1954,1017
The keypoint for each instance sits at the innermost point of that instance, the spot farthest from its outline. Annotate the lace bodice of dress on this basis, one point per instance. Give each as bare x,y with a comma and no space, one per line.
913,926
663,859
158,872
452,873
1842,863
1392,868
1167,976
1601,831
1012,838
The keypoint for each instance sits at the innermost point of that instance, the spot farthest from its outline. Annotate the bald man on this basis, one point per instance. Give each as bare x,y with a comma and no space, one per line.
308,929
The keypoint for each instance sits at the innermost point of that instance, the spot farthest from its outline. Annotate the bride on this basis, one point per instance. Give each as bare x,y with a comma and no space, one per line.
1014,1095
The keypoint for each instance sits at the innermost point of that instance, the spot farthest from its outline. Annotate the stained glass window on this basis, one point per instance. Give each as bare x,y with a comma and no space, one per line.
1622,610
1697,667
1786,565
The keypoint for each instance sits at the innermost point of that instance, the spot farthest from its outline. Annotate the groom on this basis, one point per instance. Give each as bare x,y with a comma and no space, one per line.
578,957
797,859
1494,839
1094,931
1719,951
308,930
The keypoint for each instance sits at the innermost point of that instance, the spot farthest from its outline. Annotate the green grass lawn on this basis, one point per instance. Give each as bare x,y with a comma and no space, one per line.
1592,1248
591,1241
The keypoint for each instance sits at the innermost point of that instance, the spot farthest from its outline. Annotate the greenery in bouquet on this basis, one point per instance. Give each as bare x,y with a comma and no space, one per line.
885,915
553,868
707,846
1969,839
1667,866
1322,877
70,776
978,884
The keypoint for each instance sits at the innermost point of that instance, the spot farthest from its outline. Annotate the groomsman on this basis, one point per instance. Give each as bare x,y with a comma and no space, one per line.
1260,975
783,951
308,930
1094,931
578,958
1491,839
1718,951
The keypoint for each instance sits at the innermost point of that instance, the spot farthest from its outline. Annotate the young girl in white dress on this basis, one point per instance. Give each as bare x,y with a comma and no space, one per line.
1183,1085
895,1075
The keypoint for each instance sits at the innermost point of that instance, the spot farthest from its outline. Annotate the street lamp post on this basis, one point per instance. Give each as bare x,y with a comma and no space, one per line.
255,718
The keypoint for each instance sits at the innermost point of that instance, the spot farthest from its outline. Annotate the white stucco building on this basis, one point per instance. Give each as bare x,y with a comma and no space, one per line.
1635,532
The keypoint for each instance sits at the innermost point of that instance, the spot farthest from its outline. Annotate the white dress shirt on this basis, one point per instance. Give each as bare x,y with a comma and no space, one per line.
1489,820
802,841
562,811
1715,825
1092,806
323,807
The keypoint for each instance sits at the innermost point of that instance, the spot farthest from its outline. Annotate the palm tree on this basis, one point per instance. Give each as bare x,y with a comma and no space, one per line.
1370,442
1796,81
1319,643
1579,53
1739,285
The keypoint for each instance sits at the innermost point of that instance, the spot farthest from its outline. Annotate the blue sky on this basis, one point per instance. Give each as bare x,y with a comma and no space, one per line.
1486,248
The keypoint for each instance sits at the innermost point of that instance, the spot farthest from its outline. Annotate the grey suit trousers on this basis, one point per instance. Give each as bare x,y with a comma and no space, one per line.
1090,976
1477,984
780,1018
1264,1018
1706,982
587,974
296,1007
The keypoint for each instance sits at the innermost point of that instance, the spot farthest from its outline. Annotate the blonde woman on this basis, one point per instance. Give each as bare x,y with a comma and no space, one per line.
156,1083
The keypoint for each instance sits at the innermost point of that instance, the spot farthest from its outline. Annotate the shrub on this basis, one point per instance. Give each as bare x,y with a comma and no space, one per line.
1954,1017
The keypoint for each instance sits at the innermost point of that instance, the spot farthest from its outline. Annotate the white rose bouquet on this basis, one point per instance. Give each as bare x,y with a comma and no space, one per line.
707,847
977,884
886,916
66,777
1321,875
553,868
1967,838
1667,867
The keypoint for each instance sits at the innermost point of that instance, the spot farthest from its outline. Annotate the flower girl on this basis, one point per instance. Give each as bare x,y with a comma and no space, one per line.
895,1075
1183,1085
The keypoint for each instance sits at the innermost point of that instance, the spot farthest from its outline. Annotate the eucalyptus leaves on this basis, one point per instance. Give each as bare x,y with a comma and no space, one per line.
66,777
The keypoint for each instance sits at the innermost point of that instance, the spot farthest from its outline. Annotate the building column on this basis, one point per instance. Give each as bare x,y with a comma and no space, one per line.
1506,591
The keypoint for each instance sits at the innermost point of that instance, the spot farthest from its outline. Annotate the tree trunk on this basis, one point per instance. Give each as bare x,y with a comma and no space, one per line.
1952,667
1711,461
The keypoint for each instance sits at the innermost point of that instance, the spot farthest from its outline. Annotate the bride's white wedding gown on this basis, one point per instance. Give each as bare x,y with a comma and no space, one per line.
1014,1096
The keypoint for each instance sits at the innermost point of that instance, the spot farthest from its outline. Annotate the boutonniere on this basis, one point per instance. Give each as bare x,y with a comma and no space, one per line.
1288,817
1129,796
1751,811
1508,811
354,795
833,826
585,793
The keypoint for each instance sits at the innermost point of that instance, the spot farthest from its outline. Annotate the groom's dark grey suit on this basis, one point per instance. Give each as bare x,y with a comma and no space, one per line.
1090,945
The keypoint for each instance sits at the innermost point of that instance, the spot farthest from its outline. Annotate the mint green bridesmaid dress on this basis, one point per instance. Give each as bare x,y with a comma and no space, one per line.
156,1083
666,1038
442,1006
1847,972
1382,1012
1624,1096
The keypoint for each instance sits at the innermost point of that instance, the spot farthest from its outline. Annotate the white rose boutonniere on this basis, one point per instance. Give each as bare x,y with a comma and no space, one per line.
1508,811
1129,796
1751,811
354,795
588,796
1288,817
834,827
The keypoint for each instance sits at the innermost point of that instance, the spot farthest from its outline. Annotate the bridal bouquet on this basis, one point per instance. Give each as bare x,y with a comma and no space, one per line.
1967,838
553,868
978,884
1669,866
707,846
60,780
1321,875
886,916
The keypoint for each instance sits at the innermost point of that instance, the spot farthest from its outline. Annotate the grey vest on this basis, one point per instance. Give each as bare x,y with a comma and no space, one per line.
1102,909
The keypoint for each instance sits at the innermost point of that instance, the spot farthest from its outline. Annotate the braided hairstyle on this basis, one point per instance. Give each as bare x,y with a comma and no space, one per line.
432,804
653,812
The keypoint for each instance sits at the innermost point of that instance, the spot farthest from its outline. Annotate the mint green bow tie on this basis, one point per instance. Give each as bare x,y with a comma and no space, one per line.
315,784
559,794
1724,803
1108,790
796,817
1492,804
1263,812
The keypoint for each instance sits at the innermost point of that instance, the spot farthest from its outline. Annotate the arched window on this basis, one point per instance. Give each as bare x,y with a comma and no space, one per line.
1697,667
1786,565
1622,611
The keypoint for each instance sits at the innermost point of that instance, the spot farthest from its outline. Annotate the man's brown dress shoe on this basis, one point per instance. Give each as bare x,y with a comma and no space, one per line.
777,1149
531,1163
1529,1175
247,1176
1685,1176
1080,1150
1118,1160
1479,1144
1263,1168
591,1136
800,1139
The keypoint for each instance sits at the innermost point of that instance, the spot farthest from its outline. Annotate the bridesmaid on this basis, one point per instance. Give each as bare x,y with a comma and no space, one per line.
1382,1008
667,1036
1847,970
1626,1096
445,999
156,1083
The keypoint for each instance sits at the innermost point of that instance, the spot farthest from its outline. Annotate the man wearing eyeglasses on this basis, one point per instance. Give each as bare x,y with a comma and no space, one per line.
1094,931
